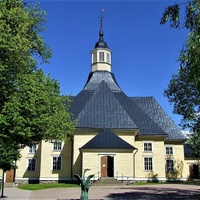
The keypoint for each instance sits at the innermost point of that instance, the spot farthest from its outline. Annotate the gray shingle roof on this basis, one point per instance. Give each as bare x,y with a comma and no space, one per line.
102,104
106,139
151,107
102,110
95,78
145,124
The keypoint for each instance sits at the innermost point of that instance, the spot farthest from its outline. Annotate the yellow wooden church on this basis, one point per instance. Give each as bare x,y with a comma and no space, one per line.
127,138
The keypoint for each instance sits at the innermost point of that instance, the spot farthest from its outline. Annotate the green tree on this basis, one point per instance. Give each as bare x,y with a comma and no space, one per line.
184,87
31,108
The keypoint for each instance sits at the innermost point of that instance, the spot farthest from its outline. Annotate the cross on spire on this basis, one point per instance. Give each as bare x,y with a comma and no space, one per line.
101,15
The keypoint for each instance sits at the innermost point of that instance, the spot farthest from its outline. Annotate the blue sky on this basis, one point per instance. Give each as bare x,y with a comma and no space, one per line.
144,53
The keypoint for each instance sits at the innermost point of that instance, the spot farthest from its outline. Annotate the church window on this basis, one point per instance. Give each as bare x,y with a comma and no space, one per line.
57,163
148,146
148,163
169,165
31,164
101,56
57,146
169,150
94,57
32,149
108,57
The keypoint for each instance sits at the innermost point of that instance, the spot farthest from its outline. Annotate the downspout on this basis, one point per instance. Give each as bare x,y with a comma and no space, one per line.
72,158
81,153
134,165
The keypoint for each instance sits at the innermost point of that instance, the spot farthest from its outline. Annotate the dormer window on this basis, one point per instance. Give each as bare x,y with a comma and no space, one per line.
101,56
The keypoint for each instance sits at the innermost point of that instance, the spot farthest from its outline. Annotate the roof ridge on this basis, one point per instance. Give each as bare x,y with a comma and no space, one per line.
120,103
78,109
141,111
101,105
169,125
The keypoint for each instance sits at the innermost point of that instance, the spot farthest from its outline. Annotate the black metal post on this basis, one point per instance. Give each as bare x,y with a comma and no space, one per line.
2,185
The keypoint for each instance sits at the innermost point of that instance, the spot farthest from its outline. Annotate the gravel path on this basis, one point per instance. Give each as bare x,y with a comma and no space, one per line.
160,191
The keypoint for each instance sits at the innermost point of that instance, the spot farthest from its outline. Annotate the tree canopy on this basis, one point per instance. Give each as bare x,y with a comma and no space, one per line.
31,108
184,87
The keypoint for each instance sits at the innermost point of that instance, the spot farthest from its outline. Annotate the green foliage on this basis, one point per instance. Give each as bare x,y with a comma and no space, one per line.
9,153
171,13
31,108
184,87
35,111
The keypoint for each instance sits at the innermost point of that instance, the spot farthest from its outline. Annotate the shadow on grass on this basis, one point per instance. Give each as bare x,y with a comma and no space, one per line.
156,193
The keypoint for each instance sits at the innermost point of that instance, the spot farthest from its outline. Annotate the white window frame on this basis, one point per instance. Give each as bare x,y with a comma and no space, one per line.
57,146
101,56
169,151
107,57
171,169
152,164
31,169
147,142
56,169
94,57
32,149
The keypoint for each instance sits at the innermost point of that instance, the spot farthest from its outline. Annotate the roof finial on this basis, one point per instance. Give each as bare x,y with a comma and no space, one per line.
101,43
101,25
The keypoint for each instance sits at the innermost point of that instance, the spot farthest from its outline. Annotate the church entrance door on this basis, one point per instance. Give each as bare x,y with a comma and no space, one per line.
107,166
194,171
10,175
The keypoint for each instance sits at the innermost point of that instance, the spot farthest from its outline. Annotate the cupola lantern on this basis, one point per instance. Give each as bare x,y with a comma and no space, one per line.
101,54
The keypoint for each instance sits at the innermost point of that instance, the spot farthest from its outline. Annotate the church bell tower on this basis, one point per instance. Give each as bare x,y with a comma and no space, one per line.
101,54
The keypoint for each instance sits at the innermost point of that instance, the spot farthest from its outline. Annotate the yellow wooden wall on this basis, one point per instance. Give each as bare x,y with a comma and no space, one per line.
123,161
80,139
44,163
158,160
22,164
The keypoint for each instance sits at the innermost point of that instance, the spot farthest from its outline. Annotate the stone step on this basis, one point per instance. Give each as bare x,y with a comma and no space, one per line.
9,185
107,182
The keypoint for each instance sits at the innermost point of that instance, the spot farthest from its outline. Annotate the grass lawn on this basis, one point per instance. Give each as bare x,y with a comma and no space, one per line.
64,185
146,183
46,186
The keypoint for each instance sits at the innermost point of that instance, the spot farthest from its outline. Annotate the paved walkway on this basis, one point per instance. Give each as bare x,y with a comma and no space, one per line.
160,191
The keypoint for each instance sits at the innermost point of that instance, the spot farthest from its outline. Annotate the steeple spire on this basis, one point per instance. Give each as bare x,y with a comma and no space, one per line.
101,43
101,54
101,26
